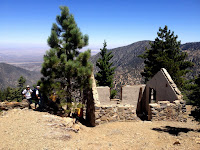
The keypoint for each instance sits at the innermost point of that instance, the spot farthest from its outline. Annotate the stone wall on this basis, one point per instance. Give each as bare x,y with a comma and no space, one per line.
164,110
110,113
130,94
138,98
164,86
160,88
104,94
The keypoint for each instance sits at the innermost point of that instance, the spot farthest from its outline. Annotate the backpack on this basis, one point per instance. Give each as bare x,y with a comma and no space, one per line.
33,95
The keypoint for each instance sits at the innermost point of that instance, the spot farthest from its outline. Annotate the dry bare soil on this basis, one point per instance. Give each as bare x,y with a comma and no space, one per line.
31,130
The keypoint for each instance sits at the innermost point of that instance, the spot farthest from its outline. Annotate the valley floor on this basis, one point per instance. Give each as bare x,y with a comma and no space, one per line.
31,130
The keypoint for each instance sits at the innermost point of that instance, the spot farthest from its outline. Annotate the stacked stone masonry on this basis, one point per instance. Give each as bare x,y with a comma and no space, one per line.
137,101
110,113
164,110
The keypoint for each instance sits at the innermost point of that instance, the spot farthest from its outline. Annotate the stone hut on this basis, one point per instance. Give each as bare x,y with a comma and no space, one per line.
159,99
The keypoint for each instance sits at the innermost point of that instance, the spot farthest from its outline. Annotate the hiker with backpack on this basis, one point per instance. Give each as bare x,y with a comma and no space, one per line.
36,96
27,95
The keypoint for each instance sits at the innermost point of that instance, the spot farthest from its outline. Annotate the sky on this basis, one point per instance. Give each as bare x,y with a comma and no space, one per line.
26,24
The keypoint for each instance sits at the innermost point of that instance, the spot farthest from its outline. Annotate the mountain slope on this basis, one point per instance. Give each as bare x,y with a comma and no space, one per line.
129,66
193,50
9,76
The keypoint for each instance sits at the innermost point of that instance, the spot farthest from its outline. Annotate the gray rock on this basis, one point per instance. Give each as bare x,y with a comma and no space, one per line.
154,112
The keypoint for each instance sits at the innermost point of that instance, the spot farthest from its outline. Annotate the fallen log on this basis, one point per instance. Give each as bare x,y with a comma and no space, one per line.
12,105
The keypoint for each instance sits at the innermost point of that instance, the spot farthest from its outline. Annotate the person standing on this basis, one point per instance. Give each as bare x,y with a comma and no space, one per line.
38,99
27,95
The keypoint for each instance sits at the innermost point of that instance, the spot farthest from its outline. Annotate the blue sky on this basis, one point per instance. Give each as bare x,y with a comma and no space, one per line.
27,23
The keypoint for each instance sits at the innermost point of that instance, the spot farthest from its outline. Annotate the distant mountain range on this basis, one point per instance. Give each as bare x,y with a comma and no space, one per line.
9,76
129,66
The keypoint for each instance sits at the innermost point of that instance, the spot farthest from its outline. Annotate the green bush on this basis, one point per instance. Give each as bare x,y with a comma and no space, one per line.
113,93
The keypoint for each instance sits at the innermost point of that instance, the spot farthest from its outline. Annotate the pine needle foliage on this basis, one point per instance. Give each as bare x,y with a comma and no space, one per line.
13,94
195,94
194,98
64,69
21,82
106,73
165,53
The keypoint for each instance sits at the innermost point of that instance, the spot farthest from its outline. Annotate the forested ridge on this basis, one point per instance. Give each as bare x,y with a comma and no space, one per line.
129,65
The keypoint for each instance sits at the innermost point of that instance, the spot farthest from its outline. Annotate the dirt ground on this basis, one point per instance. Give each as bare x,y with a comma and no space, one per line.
31,130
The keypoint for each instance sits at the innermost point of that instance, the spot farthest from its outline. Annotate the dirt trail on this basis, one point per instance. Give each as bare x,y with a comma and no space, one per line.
30,130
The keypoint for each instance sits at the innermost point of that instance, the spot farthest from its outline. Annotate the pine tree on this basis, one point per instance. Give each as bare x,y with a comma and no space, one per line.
1,96
19,89
195,93
194,98
165,53
21,82
13,94
9,94
64,69
106,73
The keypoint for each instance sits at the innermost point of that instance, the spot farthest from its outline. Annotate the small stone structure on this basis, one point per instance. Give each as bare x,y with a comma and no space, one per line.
130,94
164,87
159,99
164,110
160,88
107,110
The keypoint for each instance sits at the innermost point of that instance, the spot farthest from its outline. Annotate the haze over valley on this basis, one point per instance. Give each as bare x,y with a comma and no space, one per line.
128,65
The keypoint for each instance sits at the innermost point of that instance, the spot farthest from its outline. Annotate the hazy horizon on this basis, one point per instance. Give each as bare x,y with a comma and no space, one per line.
21,50
26,25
